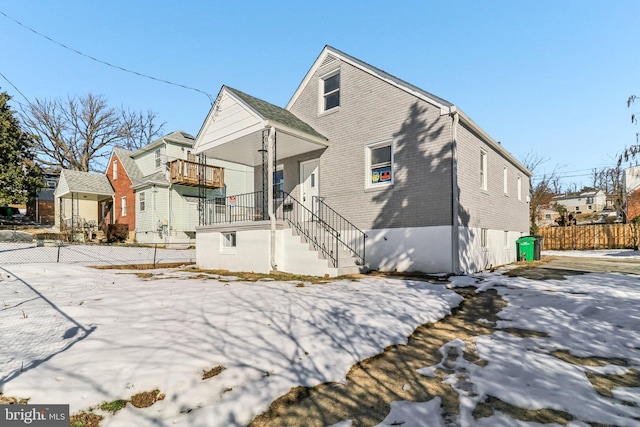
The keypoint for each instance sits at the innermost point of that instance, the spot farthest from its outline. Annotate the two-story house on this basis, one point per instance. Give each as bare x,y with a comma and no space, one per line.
154,192
166,188
364,169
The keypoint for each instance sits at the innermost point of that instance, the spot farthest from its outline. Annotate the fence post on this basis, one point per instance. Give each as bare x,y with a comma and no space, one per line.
155,249
59,246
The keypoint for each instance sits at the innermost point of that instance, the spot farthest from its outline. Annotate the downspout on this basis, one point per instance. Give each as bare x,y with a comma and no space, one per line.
455,194
272,217
169,213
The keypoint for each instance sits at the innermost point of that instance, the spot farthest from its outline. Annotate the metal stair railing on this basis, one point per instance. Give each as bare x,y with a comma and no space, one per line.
351,237
321,236
237,208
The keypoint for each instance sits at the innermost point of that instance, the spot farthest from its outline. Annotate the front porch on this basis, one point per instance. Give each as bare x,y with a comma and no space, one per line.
330,237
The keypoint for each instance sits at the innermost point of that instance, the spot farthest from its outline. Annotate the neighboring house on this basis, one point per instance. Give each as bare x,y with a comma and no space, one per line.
157,188
43,205
121,172
365,168
154,191
548,217
631,185
582,203
77,197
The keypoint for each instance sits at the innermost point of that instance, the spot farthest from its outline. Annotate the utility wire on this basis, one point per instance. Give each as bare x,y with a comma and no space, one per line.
14,86
117,67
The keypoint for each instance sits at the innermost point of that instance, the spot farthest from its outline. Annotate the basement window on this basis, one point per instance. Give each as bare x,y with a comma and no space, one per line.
229,240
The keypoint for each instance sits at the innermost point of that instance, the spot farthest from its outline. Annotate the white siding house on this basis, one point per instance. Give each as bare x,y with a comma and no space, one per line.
365,169
166,190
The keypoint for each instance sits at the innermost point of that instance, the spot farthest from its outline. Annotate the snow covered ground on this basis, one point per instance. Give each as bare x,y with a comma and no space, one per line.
84,336
602,253
75,335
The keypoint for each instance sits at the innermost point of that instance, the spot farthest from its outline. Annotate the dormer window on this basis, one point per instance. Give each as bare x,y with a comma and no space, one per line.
330,90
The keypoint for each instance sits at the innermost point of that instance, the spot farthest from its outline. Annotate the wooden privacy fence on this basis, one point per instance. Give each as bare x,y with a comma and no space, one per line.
594,236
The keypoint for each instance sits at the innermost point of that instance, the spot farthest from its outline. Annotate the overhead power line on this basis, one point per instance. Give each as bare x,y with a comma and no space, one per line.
117,67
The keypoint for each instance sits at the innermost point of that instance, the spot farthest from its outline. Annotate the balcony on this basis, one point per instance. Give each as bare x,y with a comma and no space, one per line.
185,172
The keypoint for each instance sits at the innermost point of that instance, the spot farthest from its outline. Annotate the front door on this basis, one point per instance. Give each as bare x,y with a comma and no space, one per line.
309,183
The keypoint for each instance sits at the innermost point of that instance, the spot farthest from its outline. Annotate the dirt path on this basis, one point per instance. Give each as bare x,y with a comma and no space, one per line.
374,383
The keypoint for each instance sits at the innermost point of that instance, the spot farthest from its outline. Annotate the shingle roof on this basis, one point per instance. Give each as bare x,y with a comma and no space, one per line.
130,166
155,178
275,113
86,182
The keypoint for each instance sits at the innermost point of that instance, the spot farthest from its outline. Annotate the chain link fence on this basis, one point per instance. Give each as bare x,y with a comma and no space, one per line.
55,251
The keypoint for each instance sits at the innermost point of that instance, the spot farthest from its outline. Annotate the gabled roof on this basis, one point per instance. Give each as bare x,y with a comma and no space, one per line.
83,183
127,162
233,130
330,53
179,137
156,178
274,113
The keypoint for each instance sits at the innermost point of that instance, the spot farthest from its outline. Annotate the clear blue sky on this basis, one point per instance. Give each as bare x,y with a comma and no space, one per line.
544,77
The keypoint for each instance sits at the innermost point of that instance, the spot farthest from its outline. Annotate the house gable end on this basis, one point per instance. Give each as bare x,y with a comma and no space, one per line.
229,118
329,55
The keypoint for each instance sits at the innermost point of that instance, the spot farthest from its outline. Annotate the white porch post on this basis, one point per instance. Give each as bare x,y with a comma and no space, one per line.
270,204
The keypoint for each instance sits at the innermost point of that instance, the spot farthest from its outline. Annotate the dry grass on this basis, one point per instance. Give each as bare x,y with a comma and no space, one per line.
7,400
85,419
143,266
217,370
542,416
146,398
274,275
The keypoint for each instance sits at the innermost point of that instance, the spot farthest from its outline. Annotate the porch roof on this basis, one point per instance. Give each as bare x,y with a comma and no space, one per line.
86,185
234,126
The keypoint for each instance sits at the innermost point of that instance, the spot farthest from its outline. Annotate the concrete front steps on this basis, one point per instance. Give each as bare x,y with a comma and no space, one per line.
302,258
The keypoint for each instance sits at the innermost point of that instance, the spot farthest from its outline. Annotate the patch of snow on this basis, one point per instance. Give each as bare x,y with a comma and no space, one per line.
414,414
89,336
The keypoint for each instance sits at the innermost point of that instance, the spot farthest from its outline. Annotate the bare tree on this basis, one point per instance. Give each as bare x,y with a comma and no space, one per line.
80,132
140,129
633,150
541,194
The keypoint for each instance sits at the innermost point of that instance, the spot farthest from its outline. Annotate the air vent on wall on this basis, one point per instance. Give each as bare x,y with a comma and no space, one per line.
328,60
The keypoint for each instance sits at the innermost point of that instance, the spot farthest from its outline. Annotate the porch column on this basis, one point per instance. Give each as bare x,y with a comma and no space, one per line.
270,204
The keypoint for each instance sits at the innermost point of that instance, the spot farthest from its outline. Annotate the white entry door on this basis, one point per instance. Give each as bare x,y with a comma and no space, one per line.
309,183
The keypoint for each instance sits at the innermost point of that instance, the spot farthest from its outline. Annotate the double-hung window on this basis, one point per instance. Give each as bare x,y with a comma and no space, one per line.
142,201
123,206
505,180
379,171
483,170
519,186
115,169
330,91
158,158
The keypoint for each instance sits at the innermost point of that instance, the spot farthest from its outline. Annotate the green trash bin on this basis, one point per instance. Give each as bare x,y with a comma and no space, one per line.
525,247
